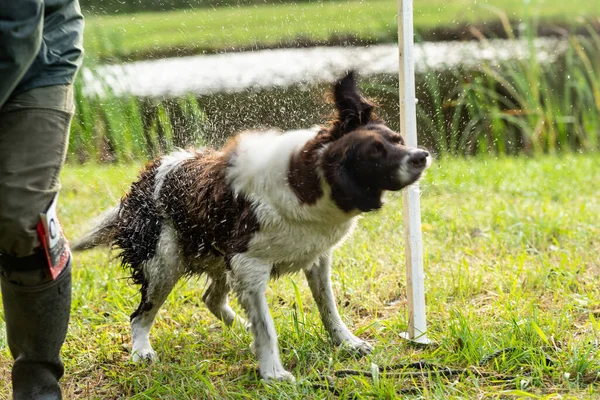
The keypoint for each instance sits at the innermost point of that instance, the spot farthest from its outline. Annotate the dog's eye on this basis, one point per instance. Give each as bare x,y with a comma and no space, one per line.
378,149
397,139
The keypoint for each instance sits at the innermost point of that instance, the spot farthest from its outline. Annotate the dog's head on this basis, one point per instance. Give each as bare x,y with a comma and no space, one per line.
365,157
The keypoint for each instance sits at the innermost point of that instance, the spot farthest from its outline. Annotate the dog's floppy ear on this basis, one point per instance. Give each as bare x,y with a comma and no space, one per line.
348,195
352,109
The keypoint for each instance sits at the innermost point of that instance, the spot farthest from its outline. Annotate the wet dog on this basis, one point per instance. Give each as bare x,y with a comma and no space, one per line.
265,205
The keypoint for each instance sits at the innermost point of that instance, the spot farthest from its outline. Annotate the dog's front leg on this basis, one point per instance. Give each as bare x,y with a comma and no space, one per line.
319,280
249,278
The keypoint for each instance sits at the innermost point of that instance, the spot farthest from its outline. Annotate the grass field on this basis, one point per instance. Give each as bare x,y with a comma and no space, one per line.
513,290
145,35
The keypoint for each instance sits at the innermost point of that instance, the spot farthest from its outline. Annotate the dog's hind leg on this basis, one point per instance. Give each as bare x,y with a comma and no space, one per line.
249,277
160,275
319,281
154,293
216,299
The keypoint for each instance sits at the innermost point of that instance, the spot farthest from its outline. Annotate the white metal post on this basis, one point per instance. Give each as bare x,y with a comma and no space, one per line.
415,285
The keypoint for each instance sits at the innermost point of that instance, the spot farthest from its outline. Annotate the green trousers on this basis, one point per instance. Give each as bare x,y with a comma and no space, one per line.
34,135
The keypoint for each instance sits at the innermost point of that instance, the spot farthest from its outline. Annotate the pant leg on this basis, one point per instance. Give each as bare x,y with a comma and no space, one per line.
34,132
34,135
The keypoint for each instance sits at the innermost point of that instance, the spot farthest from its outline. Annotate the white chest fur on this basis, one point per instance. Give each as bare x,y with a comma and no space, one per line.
294,246
291,234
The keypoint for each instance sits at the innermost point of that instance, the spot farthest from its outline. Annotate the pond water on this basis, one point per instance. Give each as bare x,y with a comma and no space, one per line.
236,72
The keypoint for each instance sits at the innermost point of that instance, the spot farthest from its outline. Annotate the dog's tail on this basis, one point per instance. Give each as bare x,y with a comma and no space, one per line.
102,234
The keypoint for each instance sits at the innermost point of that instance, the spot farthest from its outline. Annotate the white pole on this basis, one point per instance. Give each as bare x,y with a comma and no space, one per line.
415,288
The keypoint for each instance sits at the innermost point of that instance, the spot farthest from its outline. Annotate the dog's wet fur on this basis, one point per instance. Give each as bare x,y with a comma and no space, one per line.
267,204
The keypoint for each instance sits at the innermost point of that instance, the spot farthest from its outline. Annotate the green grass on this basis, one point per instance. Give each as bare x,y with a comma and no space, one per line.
144,35
512,262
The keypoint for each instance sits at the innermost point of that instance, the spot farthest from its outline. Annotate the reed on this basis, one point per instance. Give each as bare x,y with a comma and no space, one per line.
522,106
123,129
538,107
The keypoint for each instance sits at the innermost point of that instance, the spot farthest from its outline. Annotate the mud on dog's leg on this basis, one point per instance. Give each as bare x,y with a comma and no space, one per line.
319,281
249,278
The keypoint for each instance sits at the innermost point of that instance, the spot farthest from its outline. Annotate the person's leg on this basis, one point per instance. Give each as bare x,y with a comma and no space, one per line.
34,132
37,318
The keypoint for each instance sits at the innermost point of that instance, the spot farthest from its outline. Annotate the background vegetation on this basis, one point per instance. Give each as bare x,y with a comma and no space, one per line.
510,107
504,108
513,107
133,6
195,31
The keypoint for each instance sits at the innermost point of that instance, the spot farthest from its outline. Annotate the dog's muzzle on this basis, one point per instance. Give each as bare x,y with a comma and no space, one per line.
419,159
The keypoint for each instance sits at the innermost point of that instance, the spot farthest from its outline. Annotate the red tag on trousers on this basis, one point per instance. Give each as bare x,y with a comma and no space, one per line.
54,242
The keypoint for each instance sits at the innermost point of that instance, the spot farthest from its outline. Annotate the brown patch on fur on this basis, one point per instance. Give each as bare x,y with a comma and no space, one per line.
139,223
303,176
352,112
138,228
203,208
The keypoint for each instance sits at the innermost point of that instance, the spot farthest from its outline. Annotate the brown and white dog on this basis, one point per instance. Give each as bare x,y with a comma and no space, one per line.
267,204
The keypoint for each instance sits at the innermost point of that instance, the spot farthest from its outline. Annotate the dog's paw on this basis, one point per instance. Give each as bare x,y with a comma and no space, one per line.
357,346
279,375
144,355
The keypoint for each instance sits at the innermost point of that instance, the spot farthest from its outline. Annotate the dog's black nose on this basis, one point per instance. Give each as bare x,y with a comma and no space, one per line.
419,158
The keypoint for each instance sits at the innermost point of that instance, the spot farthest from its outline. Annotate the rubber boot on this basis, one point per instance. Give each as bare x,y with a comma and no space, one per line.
37,317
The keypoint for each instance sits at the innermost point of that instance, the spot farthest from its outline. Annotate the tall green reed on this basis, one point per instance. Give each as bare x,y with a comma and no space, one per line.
534,106
519,106
124,128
